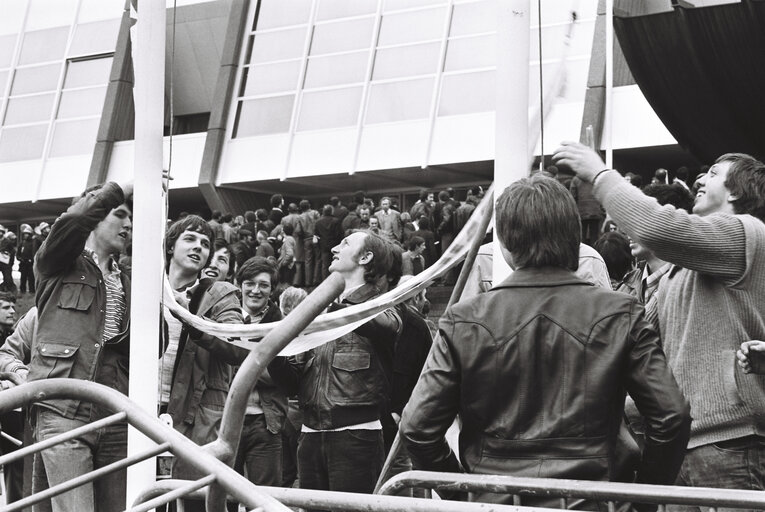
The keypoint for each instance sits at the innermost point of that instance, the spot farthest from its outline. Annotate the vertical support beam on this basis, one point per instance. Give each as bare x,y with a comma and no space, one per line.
511,155
595,97
148,220
221,106
608,123
116,115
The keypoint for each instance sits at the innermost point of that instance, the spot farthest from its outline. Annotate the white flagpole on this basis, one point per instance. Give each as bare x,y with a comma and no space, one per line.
512,107
608,121
148,217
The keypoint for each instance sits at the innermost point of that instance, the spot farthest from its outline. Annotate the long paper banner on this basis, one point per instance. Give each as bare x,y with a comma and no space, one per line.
330,326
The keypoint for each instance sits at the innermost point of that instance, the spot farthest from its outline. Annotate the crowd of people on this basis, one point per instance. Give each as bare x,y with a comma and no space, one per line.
665,309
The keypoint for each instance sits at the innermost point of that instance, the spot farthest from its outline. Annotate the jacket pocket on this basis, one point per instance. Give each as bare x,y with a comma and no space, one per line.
51,361
214,395
77,292
353,379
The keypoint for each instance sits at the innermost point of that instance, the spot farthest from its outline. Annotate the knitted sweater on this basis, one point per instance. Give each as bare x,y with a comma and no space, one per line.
707,308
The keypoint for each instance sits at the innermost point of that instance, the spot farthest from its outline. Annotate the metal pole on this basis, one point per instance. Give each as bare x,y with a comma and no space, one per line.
512,110
609,100
148,220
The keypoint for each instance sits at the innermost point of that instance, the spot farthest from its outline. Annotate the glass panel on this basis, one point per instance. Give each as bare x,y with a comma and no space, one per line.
269,78
50,13
36,79
393,5
74,137
406,61
264,116
278,13
332,9
399,101
82,73
24,143
43,45
29,109
81,103
472,52
7,46
473,18
96,10
330,109
3,82
410,27
342,36
337,69
13,16
281,45
97,37
468,93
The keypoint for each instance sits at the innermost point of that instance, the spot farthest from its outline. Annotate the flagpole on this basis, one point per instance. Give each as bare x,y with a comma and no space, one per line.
148,219
512,107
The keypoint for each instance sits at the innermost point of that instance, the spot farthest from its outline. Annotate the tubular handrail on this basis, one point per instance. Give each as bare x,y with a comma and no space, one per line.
253,366
349,501
183,489
560,488
66,436
87,477
199,458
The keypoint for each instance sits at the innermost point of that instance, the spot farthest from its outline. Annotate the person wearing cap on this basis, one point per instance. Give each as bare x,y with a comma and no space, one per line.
41,233
26,256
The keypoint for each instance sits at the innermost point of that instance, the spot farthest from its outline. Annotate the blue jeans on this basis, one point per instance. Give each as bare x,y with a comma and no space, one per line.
347,460
733,464
78,456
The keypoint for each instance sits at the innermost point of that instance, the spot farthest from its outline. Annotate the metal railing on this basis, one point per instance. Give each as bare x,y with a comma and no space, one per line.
569,490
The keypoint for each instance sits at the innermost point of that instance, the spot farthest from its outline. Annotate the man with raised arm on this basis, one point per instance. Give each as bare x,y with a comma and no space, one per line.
538,366
708,303
83,309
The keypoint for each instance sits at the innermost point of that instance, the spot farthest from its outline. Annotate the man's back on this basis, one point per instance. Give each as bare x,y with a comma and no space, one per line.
541,363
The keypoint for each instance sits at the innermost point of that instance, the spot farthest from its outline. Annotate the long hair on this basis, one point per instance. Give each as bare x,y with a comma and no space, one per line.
189,223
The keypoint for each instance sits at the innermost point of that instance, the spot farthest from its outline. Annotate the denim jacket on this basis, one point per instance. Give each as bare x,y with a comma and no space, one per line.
71,304
346,381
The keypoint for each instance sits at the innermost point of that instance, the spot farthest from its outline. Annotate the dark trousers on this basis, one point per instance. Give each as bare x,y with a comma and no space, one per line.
326,260
27,276
346,460
309,261
260,452
734,464
13,425
6,269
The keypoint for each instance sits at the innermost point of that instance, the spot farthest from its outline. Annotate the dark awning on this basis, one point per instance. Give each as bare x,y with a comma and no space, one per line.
703,72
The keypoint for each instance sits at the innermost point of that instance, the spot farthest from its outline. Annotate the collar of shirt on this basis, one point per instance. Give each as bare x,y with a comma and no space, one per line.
256,318
114,268
653,278
348,292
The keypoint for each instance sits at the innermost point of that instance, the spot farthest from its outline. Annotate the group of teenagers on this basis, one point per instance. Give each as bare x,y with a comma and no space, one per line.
536,367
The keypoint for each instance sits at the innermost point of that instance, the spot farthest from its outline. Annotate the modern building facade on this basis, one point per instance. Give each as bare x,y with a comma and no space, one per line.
307,98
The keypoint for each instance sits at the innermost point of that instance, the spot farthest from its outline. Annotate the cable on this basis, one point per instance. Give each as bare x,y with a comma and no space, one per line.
541,90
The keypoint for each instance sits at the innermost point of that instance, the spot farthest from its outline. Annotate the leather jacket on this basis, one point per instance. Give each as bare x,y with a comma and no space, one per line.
537,368
346,381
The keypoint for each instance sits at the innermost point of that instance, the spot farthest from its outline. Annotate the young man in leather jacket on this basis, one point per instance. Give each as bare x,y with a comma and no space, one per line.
344,386
538,366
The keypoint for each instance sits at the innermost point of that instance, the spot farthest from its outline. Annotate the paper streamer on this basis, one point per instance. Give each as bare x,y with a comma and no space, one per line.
330,326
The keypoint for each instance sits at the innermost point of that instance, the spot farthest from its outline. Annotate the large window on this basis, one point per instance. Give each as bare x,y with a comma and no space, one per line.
327,64
55,59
